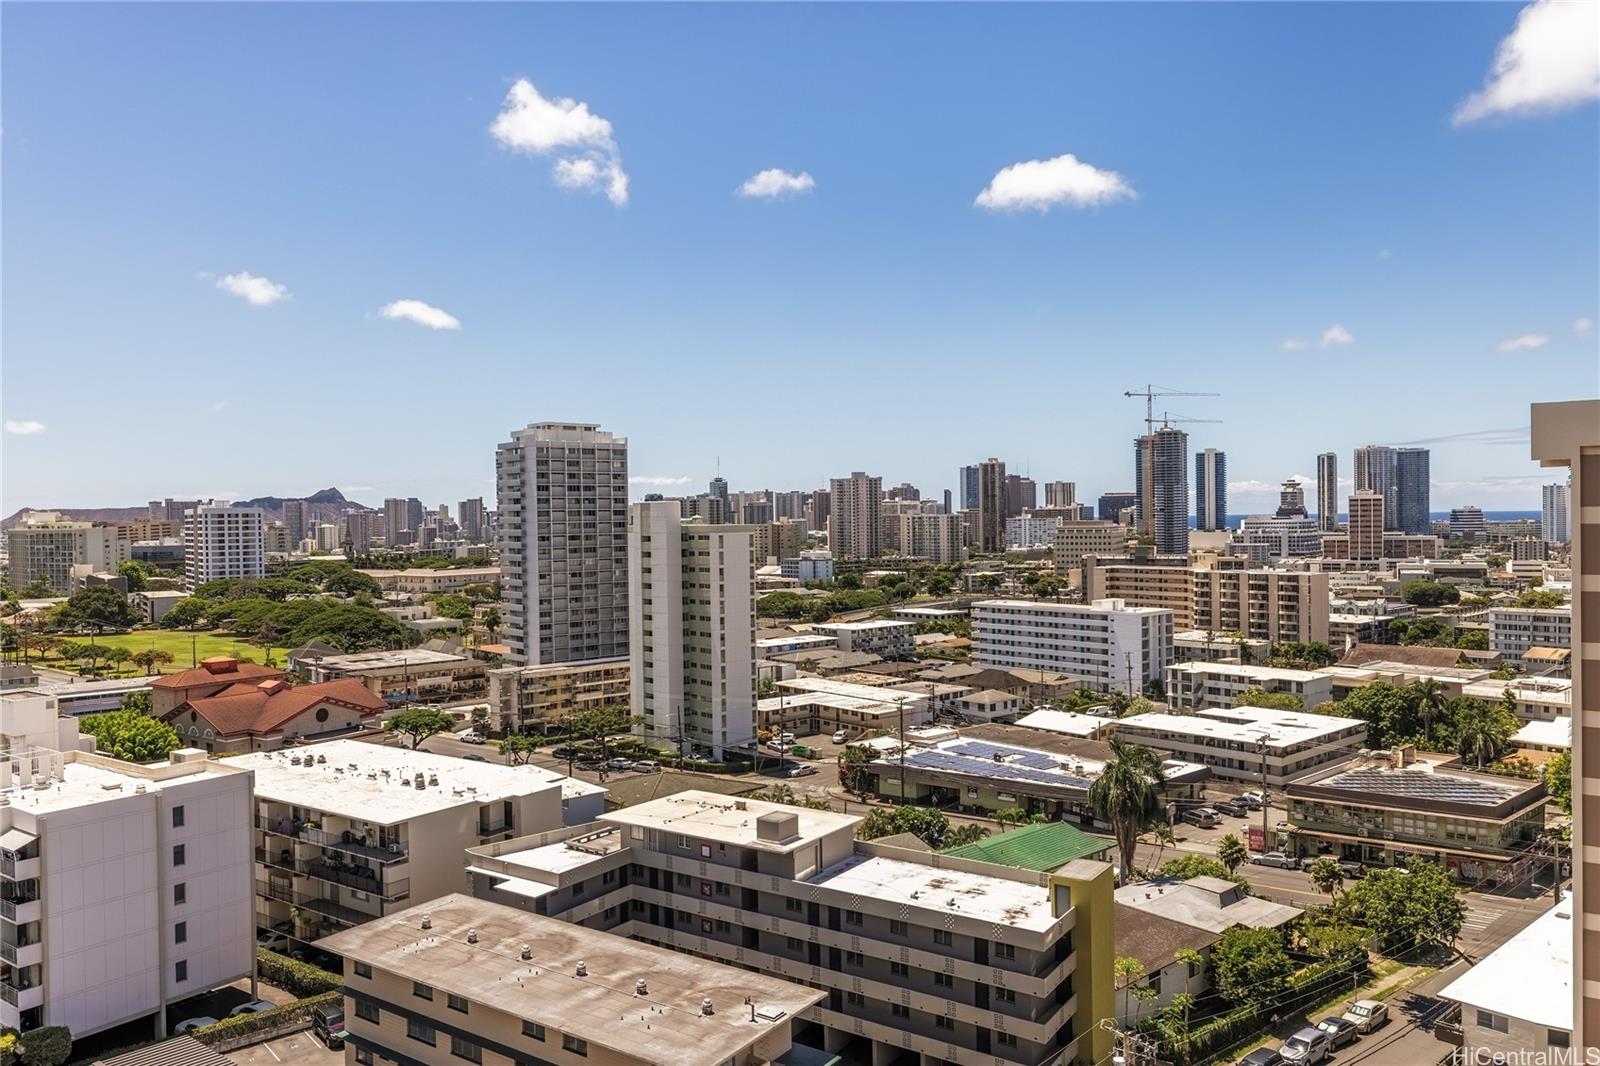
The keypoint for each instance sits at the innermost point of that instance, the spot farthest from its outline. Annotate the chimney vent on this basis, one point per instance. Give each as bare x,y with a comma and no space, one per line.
639,988
472,936
705,1007
427,921
583,970
527,951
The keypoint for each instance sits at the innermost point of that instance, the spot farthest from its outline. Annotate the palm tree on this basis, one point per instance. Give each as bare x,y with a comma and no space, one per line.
1127,795
1231,852
1430,704
1327,876
1161,833
492,622
1483,731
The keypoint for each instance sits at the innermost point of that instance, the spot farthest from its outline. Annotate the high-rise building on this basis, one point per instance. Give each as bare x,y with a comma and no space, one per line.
562,521
947,501
1110,505
473,518
1466,523
1060,493
1021,495
170,510
855,522
818,509
1375,472
1210,490
1366,524
903,491
788,505
295,519
719,490
691,616
1161,475
414,517
1556,517
45,546
396,532
358,531
934,537
989,535
221,542
969,488
1328,492
1292,499
1412,490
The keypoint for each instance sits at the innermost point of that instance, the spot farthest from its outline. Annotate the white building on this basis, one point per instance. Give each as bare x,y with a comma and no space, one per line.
1513,630
347,831
45,545
879,636
692,619
855,522
222,542
1193,685
1031,530
125,887
1247,743
1518,1003
1556,516
1267,538
1537,699
938,538
809,566
1107,644
563,530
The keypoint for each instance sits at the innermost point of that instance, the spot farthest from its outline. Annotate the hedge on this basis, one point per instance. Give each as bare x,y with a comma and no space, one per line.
300,979
246,1024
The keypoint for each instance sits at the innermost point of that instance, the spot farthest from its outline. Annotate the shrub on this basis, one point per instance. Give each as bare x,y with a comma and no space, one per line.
246,1024
300,979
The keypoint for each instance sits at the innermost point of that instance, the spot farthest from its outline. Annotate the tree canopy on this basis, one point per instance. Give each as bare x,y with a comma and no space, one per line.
1250,965
97,605
1127,794
1429,593
1541,598
931,825
1558,780
1418,903
1256,696
130,735
419,723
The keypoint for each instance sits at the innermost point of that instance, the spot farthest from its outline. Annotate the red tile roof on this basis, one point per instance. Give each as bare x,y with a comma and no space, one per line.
201,675
254,709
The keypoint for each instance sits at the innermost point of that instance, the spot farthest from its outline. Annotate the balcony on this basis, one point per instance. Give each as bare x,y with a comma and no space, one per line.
22,953
362,880
22,995
15,868
21,911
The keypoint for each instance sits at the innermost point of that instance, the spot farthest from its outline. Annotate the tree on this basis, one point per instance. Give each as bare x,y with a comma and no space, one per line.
134,572
1327,876
929,824
988,582
853,762
1306,655
766,688
1416,904
138,703
1256,696
131,736
492,621
1184,867
1232,853
1432,632
49,1045
419,723
782,604
97,605
1127,795
116,656
1541,598
1009,816
1429,593
148,659
452,605
940,585
962,835
1430,703
1473,640
1484,731
187,612
1161,833
519,748
1250,966
1129,971
1558,780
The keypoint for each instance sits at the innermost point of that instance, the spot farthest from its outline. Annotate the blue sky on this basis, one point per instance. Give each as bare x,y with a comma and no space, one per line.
1293,169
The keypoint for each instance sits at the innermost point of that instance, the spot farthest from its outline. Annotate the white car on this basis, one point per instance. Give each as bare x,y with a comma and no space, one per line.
778,746
471,736
190,1024
787,738
1253,799
253,1007
803,770
1273,858
839,737
1368,1014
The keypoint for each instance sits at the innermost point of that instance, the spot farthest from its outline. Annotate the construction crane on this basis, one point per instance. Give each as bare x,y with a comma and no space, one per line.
1168,419
1150,392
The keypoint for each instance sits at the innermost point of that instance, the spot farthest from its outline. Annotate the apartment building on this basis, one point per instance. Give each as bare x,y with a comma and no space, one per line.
951,959
1388,808
855,517
1366,525
525,699
433,581
808,567
1249,744
1168,584
1390,545
1555,522
989,534
1108,644
1413,489
692,618
562,519
890,638
222,542
347,831
1517,1002
1535,699
1162,484
1030,530
1268,538
777,540
1272,605
1375,473
1193,685
1210,490
440,672
45,546
1513,630
937,538
457,977
1060,493
123,887
1071,541
1328,491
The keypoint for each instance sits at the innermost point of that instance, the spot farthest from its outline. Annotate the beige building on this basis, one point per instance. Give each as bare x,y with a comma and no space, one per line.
430,581
938,538
1221,596
779,540
533,698
424,673
461,979
1568,434
1074,540
1365,525
46,545
855,520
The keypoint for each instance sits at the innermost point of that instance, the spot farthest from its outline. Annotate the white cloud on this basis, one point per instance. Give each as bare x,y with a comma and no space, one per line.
24,427
1336,334
1548,63
1385,253
1582,326
259,292
1293,344
775,182
658,481
1526,342
420,313
218,406
1040,184
585,152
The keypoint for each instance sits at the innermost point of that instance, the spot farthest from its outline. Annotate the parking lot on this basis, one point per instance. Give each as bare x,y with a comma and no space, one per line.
296,1049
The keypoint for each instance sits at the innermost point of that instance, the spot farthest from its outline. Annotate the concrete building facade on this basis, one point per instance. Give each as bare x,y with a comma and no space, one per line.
222,542
1161,479
1328,491
1107,644
855,517
1210,490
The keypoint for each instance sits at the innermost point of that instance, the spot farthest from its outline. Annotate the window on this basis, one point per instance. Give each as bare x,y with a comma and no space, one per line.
181,970
180,933
793,906
1006,1039
900,1010
1558,1038
177,817
179,854
609,877
456,1003
364,1056
941,1022
465,1049
899,969
574,1044
421,991
944,980
1005,951
1005,995
180,893
368,1012
852,917
792,943
898,928
417,1029
683,841
943,937
855,958
363,970
577,888
705,851
533,1030
1490,1020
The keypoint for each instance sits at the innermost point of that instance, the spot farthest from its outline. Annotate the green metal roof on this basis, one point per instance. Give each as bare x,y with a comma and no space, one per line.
1043,847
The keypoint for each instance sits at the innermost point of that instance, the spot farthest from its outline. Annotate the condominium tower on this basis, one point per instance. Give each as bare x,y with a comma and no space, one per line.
1556,518
473,518
1210,490
1375,472
1060,493
990,533
855,520
969,487
1367,510
1161,474
1412,490
221,542
691,616
563,534
1328,492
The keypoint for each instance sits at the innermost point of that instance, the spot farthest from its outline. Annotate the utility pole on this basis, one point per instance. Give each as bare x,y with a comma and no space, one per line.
1261,749
901,706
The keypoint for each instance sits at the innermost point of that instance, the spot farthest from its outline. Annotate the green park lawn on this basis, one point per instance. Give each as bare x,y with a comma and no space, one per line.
187,648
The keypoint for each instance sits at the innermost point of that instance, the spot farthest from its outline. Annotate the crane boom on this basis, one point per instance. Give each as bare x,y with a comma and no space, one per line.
1150,392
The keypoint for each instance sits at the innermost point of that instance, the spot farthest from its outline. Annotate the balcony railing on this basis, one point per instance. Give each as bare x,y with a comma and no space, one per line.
395,889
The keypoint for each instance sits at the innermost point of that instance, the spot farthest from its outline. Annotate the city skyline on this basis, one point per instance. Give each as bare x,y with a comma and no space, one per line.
523,213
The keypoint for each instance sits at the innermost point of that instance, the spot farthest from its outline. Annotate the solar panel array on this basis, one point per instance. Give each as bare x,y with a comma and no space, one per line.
1419,784
980,750
953,762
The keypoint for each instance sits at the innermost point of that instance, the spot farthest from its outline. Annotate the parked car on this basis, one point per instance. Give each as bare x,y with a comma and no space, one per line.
787,738
1283,827
647,766
1352,870
327,1022
839,737
1368,1014
190,1024
272,940
1306,1048
1231,807
619,764
778,746
1255,799
473,756
1203,817
1262,1056
1340,1030
253,1007
803,770
471,736
1272,858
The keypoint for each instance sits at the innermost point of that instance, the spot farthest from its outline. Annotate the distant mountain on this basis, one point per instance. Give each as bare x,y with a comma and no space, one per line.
324,505
332,498
83,514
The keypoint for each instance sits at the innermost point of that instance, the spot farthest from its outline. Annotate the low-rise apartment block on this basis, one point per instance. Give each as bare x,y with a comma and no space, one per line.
525,699
435,672
1224,597
1513,630
426,581
1249,743
884,637
952,959
1517,1003
1535,699
1108,643
1191,686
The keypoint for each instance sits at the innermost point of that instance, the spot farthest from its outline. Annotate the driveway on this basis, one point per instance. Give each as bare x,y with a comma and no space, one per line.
296,1049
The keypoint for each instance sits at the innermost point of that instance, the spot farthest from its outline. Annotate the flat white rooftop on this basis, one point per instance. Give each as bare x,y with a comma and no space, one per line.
1067,723
1555,733
1242,725
1246,671
859,627
929,612
942,890
1529,976
833,687
80,779
1098,607
375,783
392,660
726,819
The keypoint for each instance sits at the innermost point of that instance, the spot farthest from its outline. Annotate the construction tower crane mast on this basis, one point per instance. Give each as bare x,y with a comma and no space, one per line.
1150,392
